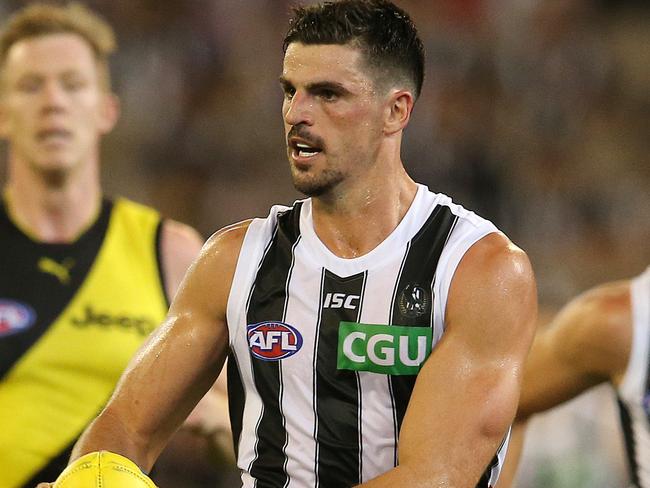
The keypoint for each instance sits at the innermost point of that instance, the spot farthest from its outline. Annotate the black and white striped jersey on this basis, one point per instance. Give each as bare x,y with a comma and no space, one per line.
325,350
634,389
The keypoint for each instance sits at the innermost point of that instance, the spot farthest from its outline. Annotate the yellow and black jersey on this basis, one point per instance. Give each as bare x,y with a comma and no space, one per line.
71,317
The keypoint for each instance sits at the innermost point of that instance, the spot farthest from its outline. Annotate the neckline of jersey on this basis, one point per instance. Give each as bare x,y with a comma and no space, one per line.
402,233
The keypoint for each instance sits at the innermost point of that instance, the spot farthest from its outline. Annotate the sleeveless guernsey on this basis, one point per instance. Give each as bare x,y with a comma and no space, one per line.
71,317
325,350
634,390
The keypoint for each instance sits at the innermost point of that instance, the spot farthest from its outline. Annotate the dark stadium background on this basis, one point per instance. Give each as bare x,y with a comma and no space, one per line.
534,113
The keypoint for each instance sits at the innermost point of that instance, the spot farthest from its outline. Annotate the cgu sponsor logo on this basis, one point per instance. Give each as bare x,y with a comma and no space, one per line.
142,325
341,300
387,349
15,317
272,341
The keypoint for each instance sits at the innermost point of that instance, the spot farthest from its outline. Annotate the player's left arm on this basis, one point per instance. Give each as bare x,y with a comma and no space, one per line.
466,394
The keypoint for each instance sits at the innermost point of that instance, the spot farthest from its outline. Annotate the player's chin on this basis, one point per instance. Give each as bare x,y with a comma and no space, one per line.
307,185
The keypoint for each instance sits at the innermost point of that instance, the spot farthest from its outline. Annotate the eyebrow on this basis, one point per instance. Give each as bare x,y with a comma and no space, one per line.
317,86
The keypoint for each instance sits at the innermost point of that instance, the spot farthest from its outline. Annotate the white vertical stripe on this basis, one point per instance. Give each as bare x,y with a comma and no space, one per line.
641,435
298,373
377,415
465,234
632,389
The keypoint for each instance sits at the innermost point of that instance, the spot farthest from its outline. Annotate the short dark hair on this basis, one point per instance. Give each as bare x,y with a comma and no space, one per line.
385,33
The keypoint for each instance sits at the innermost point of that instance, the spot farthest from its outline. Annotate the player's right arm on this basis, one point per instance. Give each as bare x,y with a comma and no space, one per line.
176,366
587,343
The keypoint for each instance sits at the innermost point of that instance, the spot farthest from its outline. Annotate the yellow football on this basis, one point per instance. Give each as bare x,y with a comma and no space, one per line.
103,469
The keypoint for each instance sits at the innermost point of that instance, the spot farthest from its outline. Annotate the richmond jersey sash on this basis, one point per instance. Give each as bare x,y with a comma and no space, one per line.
71,317
326,350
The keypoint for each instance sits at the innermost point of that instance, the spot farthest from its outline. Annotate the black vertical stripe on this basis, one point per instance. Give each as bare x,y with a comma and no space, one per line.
236,400
484,482
396,422
337,407
630,445
159,263
418,270
268,303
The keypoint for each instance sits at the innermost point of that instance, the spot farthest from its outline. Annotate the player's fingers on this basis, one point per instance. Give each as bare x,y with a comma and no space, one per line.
45,485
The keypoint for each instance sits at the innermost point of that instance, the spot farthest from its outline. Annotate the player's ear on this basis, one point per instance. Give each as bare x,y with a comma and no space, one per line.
398,111
109,112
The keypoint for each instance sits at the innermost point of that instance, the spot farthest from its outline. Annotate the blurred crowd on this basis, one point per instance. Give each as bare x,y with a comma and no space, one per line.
534,113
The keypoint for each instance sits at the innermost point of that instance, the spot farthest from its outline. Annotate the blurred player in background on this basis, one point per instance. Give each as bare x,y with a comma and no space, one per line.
602,336
84,279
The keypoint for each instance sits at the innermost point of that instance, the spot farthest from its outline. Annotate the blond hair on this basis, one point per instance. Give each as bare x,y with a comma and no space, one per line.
42,19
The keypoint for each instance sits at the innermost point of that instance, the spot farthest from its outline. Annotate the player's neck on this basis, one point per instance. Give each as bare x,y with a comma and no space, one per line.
53,213
356,220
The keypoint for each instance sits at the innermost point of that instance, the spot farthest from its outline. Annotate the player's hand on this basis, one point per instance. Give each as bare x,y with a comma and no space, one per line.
45,485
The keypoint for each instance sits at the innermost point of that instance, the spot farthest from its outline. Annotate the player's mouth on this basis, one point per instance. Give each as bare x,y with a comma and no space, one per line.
53,136
303,151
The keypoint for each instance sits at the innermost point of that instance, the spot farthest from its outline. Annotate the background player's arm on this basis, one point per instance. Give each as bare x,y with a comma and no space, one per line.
180,244
466,395
586,344
178,364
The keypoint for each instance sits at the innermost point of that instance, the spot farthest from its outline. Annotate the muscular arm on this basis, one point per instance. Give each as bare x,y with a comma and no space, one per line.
586,344
178,364
180,245
466,395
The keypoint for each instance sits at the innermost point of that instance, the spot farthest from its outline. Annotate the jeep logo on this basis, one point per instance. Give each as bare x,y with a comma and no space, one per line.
140,324
388,349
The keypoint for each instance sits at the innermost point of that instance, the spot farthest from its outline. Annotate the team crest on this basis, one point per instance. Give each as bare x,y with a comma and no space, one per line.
272,341
15,317
414,301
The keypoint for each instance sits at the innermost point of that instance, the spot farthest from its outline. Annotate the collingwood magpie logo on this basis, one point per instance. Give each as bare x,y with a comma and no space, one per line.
414,301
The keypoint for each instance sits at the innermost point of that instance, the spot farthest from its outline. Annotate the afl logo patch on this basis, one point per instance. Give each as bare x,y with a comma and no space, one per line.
414,301
272,341
15,317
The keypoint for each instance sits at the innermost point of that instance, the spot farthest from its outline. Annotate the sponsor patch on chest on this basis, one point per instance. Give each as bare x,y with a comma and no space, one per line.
15,317
387,349
272,341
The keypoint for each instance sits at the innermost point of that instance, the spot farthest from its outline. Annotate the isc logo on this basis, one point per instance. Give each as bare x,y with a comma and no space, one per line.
272,341
341,300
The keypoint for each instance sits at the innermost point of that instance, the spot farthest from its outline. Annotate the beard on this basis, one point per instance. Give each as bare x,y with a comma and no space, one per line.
315,185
